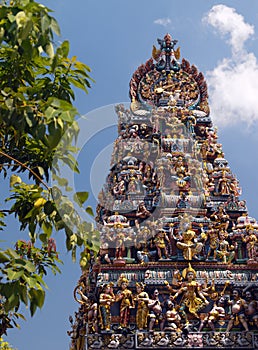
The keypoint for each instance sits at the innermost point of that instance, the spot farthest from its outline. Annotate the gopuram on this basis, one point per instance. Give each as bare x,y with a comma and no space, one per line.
178,260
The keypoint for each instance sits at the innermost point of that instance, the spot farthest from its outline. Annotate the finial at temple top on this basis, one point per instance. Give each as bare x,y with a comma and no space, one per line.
166,57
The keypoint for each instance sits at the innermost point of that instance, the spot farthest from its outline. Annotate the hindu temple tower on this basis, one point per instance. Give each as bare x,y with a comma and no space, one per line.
178,260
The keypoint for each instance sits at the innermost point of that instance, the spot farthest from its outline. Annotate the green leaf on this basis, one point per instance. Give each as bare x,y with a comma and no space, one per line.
50,113
37,296
12,254
25,30
62,181
16,324
41,171
49,207
31,281
55,26
2,31
56,102
21,19
45,23
78,83
66,116
12,302
31,213
3,258
22,290
43,237
14,179
40,131
53,139
81,66
11,17
80,197
47,228
10,273
6,289
18,274
65,48
29,266
89,211
68,243
49,49
18,315
74,254
32,227
33,307
9,103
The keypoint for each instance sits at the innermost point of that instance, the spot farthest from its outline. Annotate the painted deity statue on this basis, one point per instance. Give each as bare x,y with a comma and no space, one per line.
142,299
188,245
125,297
160,243
173,318
156,315
252,241
238,305
217,314
106,299
192,297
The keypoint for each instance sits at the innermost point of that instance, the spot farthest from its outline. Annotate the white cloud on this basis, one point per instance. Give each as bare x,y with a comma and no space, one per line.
162,21
228,22
233,84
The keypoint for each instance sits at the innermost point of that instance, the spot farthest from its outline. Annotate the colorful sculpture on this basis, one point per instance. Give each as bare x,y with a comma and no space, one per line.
106,299
192,296
142,299
125,297
172,226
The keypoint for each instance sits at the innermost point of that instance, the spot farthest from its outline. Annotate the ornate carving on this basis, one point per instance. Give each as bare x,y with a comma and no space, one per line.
178,261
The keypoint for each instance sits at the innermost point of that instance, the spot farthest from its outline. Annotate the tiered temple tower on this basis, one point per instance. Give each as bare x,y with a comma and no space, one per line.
178,262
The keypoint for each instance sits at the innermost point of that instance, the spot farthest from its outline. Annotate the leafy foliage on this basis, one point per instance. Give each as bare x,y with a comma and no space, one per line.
37,124
4,345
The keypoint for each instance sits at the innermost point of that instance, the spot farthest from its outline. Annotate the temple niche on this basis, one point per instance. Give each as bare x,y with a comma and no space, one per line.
178,259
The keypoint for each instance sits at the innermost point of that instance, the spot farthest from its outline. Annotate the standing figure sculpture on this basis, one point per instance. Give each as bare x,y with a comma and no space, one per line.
142,299
156,315
173,318
238,306
106,299
125,297
251,309
252,242
160,241
192,297
212,237
225,251
87,315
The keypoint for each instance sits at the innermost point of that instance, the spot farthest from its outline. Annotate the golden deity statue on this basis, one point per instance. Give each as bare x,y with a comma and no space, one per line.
142,299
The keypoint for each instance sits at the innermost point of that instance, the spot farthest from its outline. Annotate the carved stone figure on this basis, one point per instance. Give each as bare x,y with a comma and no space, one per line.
125,297
193,299
106,299
142,299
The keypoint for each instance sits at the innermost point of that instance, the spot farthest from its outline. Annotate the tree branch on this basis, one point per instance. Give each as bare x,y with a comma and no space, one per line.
26,167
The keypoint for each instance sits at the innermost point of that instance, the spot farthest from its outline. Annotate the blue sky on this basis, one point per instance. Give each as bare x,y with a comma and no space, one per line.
114,37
